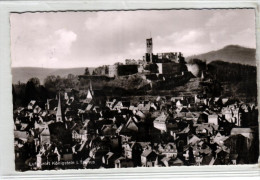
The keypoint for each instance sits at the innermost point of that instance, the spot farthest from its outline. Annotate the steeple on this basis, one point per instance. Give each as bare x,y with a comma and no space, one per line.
90,87
90,91
58,113
202,76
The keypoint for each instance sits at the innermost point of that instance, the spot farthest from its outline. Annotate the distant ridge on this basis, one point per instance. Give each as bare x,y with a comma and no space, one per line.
23,74
230,53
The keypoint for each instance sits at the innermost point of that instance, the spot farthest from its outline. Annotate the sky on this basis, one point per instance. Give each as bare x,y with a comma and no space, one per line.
91,39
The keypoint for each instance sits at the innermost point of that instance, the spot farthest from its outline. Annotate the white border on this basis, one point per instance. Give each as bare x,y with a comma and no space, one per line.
6,123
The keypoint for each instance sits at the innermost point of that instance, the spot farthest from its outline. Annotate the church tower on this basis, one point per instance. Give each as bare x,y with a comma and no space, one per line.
149,46
58,113
149,50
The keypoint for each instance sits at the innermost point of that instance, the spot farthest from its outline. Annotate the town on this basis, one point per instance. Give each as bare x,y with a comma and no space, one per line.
84,129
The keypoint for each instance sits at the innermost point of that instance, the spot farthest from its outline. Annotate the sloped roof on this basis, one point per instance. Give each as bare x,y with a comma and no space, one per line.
193,140
246,132
177,161
146,153
21,135
241,130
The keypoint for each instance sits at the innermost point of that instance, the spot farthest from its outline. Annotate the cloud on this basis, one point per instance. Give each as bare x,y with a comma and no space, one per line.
47,51
221,18
63,40
70,39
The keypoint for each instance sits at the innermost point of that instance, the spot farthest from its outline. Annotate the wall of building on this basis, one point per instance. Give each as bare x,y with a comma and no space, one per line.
168,68
171,56
123,70
149,46
112,71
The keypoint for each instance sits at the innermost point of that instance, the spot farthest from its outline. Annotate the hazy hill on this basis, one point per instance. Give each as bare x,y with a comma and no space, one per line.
231,53
23,74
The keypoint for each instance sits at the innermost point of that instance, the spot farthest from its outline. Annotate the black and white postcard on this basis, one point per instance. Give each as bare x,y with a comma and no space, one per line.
135,88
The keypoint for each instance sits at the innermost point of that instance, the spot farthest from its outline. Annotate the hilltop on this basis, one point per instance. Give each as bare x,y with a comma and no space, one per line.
231,54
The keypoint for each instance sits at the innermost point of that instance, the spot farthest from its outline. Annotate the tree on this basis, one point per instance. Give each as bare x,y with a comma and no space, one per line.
71,76
14,94
106,70
50,82
94,72
30,92
87,72
118,63
35,81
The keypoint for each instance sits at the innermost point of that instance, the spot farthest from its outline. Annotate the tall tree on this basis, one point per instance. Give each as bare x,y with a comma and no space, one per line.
86,72
94,72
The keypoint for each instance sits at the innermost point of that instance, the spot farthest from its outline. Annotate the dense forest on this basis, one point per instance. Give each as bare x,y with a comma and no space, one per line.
238,80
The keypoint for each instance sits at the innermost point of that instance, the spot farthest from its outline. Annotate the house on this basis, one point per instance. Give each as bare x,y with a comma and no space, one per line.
179,104
23,135
144,106
160,122
109,159
45,137
31,105
89,107
82,135
121,105
246,132
193,140
219,139
123,163
148,158
213,119
183,112
225,100
177,162
108,130
132,124
206,129
140,114
128,149
175,99
192,116
37,109
165,161
169,150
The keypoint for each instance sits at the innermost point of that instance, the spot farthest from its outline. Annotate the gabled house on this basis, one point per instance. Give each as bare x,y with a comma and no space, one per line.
108,130
127,149
121,105
160,122
131,125
45,137
121,162
169,150
23,135
206,129
144,106
109,159
148,158
31,105
140,114
213,119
